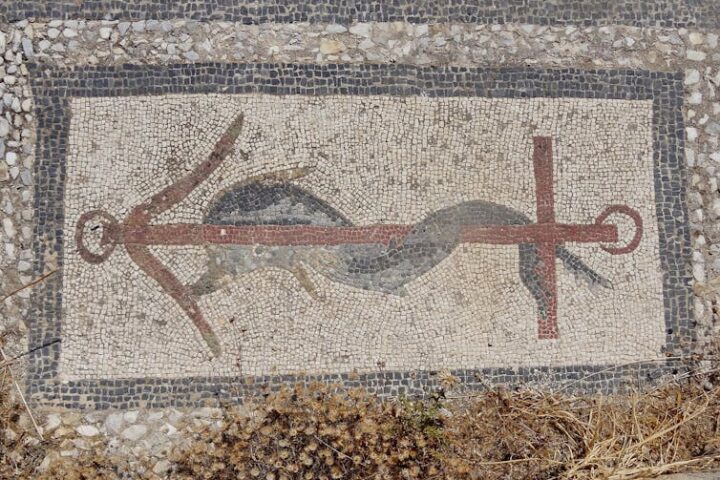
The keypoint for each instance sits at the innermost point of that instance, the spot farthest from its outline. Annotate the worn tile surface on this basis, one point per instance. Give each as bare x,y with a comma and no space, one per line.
370,224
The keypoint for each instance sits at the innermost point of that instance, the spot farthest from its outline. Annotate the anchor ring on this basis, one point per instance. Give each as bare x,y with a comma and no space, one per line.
107,241
636,218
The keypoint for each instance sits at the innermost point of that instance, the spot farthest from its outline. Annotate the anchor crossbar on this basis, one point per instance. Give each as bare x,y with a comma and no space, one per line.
309,235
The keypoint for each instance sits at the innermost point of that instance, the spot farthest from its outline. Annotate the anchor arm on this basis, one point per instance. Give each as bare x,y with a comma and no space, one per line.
178,191
180,293
141,215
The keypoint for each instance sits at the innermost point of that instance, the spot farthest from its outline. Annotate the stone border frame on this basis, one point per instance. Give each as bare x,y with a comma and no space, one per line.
641,13
52,87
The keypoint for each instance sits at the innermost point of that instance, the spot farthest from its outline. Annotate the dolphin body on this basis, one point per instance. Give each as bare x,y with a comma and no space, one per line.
376,267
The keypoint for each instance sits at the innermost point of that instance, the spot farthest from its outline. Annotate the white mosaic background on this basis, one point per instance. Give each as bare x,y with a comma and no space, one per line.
377,160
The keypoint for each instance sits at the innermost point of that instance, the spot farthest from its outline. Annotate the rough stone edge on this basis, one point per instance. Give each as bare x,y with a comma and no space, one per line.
660,13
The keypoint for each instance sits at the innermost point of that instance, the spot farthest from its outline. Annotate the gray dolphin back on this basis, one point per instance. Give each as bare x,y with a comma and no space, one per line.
378,267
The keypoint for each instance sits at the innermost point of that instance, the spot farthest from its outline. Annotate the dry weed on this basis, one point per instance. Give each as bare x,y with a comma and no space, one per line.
20,451
552,436
323,432
320,433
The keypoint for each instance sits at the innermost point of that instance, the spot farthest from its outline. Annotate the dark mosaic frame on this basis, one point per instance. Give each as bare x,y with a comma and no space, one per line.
53,87
642,13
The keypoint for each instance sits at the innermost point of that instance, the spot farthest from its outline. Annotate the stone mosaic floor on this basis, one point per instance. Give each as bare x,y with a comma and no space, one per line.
221,202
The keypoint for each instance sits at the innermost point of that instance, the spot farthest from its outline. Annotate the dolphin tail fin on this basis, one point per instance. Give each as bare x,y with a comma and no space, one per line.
577,266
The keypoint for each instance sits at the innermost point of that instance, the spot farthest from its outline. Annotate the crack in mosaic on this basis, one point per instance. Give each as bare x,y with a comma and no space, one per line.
257,204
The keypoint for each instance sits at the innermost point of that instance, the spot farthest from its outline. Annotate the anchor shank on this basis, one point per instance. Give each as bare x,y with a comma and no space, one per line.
544,191
311,235
546,269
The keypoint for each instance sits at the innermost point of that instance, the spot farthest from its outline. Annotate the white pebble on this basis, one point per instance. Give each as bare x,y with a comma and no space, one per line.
192,56
162,467
690,157
87,430
692,76
335,28
135,432
699,272
361,29
421,30
114,422
696,38
53,421
138,26
9,228
123,27
27,47
131,416
696,55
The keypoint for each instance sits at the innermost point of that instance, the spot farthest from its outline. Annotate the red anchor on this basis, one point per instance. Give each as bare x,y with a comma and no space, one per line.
136,233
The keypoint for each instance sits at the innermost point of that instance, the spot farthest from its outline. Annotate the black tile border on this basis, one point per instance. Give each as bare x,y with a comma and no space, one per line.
53,87
642,13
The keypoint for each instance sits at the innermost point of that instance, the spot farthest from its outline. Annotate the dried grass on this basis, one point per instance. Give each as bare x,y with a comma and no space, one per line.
320,433
20,450
674,428
324,432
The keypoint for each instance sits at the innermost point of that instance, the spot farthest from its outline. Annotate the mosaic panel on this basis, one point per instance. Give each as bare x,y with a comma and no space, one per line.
368,224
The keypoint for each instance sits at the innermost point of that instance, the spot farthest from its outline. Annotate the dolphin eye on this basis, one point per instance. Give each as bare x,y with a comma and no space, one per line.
259,249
